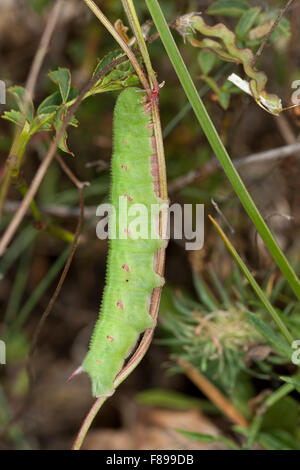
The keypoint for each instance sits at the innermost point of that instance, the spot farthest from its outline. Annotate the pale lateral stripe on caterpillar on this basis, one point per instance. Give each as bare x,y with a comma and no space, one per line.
131,276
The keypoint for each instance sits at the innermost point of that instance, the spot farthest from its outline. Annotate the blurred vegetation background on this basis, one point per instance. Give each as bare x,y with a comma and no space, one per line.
205,314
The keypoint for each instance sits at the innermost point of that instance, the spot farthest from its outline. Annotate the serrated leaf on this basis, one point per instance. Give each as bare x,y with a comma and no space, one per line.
58,124
19,93
204,294
54,101
106,60
279,344
295,381
246,22
13,116
233,8
62,78
207,61
50,104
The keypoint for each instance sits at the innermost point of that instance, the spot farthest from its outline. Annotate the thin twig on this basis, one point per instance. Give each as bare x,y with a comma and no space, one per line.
20,213
274,26
285,129
55,210
12,161
80,186
43,48
213,165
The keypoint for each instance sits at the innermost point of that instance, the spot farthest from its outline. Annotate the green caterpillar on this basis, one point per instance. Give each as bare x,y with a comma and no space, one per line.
131,276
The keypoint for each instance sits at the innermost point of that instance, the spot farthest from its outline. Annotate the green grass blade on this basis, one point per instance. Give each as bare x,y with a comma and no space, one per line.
260,293
217,145
41,289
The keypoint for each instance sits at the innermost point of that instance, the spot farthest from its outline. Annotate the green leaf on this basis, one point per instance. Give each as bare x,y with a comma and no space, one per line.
107,59
295,381
207,61
233,8
62,78
122,76
246,22
58,124
50,104
13,116
208,438
174,400
19,93
278,343
42,122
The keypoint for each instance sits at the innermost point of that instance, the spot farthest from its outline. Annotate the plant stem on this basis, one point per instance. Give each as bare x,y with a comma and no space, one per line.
19,145
160,258
129,8
218,147
87,423
34,186
214,395
134,22
39,217
105,21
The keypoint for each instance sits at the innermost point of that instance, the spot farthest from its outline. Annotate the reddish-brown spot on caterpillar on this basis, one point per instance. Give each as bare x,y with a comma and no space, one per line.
124,141
128,197
124,167
99,360
120,305
110,338
126,268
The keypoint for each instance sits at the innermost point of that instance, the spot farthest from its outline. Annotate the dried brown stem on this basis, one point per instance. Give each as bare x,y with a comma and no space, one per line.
213,393
30,87
43,48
